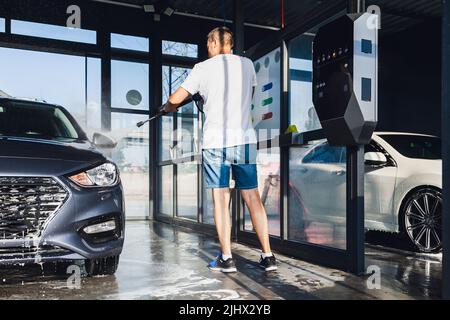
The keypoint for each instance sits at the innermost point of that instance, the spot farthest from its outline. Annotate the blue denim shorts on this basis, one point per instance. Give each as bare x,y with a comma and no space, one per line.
240,160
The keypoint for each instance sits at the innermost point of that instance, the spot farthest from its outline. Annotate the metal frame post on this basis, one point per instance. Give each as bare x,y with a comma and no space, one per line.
284,150
239,40
355,209
356,6
355,192
156,94
104,42
446,148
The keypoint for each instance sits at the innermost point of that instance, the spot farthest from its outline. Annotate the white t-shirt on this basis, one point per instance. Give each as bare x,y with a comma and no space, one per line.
226,84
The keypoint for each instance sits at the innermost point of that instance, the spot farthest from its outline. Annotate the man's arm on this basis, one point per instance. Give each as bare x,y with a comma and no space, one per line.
177,98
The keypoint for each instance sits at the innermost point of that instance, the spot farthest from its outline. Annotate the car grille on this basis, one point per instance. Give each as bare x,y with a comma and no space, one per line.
26,204
33,251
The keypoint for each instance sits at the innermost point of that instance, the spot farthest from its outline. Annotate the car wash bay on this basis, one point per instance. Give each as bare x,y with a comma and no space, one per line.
122,65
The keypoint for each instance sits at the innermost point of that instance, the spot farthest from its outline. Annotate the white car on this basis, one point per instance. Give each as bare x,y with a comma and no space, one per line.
403,186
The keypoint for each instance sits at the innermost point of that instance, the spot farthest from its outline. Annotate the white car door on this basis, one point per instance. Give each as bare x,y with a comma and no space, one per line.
379,193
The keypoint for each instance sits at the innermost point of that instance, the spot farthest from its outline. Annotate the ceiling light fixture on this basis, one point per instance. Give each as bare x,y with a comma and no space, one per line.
169,11
149,8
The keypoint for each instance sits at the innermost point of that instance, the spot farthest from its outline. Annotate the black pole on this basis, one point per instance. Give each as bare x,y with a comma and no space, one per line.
104,41
446,148
239,39
355,209
239,28
8,25
355,191
155,139
356,6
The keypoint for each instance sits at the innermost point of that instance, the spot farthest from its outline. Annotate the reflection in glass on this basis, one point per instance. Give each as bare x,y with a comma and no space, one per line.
48,31
208,207
302,112
187,194
187,127
180,49
55,78
126,76
132,157
166,137
187,118
177,77
2,25
166,190
126,42
187,130
269,187
93,122
266,100
317,193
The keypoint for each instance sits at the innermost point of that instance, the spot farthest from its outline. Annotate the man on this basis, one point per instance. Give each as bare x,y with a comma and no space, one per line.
227,83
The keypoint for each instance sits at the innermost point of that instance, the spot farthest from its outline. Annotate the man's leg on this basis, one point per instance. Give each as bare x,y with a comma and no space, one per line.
221,199
259,217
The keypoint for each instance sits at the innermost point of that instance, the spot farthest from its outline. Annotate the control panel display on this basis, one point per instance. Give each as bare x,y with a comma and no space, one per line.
345,67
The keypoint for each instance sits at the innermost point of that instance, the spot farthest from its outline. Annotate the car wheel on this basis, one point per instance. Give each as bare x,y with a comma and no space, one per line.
421,220
103,266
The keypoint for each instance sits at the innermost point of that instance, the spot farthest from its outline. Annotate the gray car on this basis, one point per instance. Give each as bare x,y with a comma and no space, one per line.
60,198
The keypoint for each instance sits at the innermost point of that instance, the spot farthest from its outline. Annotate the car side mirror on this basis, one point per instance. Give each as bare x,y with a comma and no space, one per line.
375,158
103,142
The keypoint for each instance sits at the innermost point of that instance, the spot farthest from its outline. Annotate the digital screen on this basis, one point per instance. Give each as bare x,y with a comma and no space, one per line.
366,46
366,89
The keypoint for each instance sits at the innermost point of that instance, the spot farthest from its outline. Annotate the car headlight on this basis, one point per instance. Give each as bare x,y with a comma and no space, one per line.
105,175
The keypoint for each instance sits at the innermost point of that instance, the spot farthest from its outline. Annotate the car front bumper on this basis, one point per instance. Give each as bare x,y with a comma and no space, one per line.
62,236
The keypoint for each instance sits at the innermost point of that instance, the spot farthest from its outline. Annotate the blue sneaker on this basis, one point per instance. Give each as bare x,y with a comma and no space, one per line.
222,266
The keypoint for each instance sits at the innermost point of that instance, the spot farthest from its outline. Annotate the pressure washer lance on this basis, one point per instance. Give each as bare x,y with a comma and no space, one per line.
197,99
156,116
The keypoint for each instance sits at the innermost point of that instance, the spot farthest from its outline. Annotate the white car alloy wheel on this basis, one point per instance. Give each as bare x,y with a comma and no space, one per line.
422,218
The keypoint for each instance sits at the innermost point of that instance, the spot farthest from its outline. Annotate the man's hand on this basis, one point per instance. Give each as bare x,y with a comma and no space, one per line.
169,107
177,98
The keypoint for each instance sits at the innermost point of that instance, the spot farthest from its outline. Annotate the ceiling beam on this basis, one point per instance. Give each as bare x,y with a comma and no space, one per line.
190,15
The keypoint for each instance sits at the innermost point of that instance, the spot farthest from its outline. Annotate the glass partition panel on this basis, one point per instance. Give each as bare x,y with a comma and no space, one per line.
49,31
121,41
301,109
93,122
186,135
269,187
180,49
132,156
187,186
166,135
166,190
130,85
187,132
55,78
317,193
208,207
266,101
187,119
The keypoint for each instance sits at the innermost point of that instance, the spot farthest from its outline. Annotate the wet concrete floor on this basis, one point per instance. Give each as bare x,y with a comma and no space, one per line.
164,262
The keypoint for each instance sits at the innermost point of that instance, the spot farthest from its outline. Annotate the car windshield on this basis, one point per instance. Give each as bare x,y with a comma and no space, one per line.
32,120
416,147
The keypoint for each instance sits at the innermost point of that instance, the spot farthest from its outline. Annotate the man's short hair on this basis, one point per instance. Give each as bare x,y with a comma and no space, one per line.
223,34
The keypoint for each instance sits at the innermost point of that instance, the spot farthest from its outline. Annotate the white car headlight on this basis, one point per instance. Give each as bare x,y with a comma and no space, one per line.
105,175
